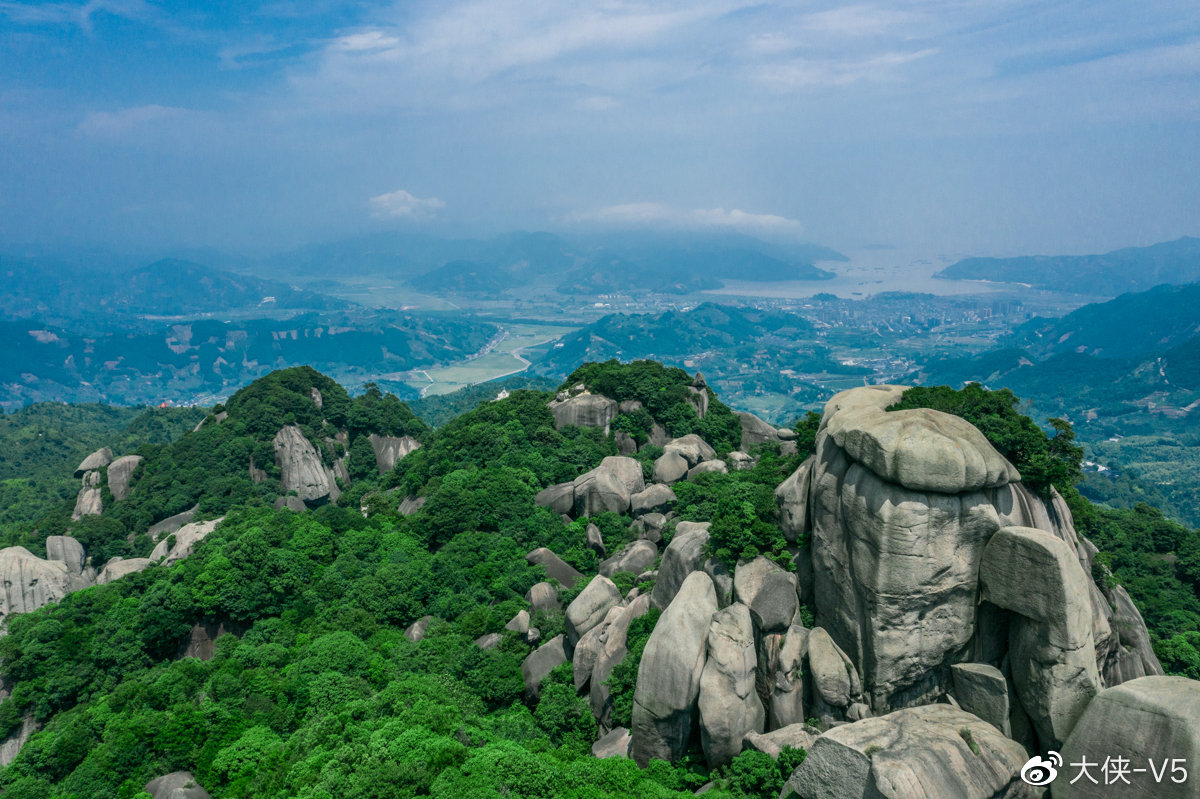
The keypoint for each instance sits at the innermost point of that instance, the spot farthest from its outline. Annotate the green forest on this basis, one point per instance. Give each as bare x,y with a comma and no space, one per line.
320,694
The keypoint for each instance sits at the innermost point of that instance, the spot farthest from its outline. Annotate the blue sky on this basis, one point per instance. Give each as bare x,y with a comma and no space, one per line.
990,127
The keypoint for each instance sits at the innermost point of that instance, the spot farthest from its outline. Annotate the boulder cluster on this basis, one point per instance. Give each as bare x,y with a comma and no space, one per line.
954,627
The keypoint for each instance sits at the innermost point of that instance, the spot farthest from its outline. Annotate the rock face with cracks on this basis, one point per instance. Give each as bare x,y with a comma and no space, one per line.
729,707
668,681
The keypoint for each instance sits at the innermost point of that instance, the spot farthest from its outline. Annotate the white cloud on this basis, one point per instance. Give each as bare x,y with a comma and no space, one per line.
659,215
118,124
400,203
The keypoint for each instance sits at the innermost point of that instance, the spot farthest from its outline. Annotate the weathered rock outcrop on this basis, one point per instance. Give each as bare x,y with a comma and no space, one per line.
416,631
89,502
792,496
182,543
97,460
612,651
1053,655
796,736
177,785
613,744
600,490
389,450
542,596
1152,722
692,448
728,705
116,568
657,498
670,467
301,468
559,498
68,551
556,568
30,582
120,475
11,746
668,682
684,555
584,410
202,641
756,432
982,690
635,558
541,662
924,752
590,607
172,523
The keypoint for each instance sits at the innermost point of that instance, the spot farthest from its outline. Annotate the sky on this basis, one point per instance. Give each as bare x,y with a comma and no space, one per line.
987,127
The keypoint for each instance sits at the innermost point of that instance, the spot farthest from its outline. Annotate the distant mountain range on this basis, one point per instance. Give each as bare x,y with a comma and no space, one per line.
38,288
627,263
1109,274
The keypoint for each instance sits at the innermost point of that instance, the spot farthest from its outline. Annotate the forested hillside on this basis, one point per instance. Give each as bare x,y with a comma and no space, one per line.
372,614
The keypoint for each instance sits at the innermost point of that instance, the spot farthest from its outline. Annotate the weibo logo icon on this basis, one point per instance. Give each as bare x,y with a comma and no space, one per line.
1042,771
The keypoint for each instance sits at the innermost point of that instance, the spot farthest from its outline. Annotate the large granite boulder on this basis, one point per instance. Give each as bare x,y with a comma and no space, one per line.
657,498
728,704
556,568
590,607
391,449
783,680
668,681
792,496
635,558
749,575
97,460
615,743
833,675
116,568
927,752
1134,656
600,490
415,632
294,504
584,410
982,690
776,603
172,523
896,542
795,736
715,466
1052,653
1151,722
300,467
185,540
68,551
120,474
692,448
543,596
559,498
595,541
684,555
541,662
626,470
89,502
670,467
30,582
587,649
756,432
612,651
176,785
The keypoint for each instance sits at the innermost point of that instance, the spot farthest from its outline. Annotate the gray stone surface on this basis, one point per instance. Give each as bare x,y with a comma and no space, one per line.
30,582
626,470
11,746
556,567
692,448
185,540
300,467
797,736
584,410
172,523
756,432
97,460
656,498
587,650
634,558
792,497
784,683
68,551
684,555
748,578
559,498
670,467
651,526
1148,720
489,640
612,652
411,505
176,785
1135,656
416,630
625,443
831,679
541,662
615,743
715,466
89,501
775,603
981,689
390,450
915,753
668,682
728,705
590,607
1052,651
595,541
543,596
294,504
116,568
600,491
120,474
518,624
